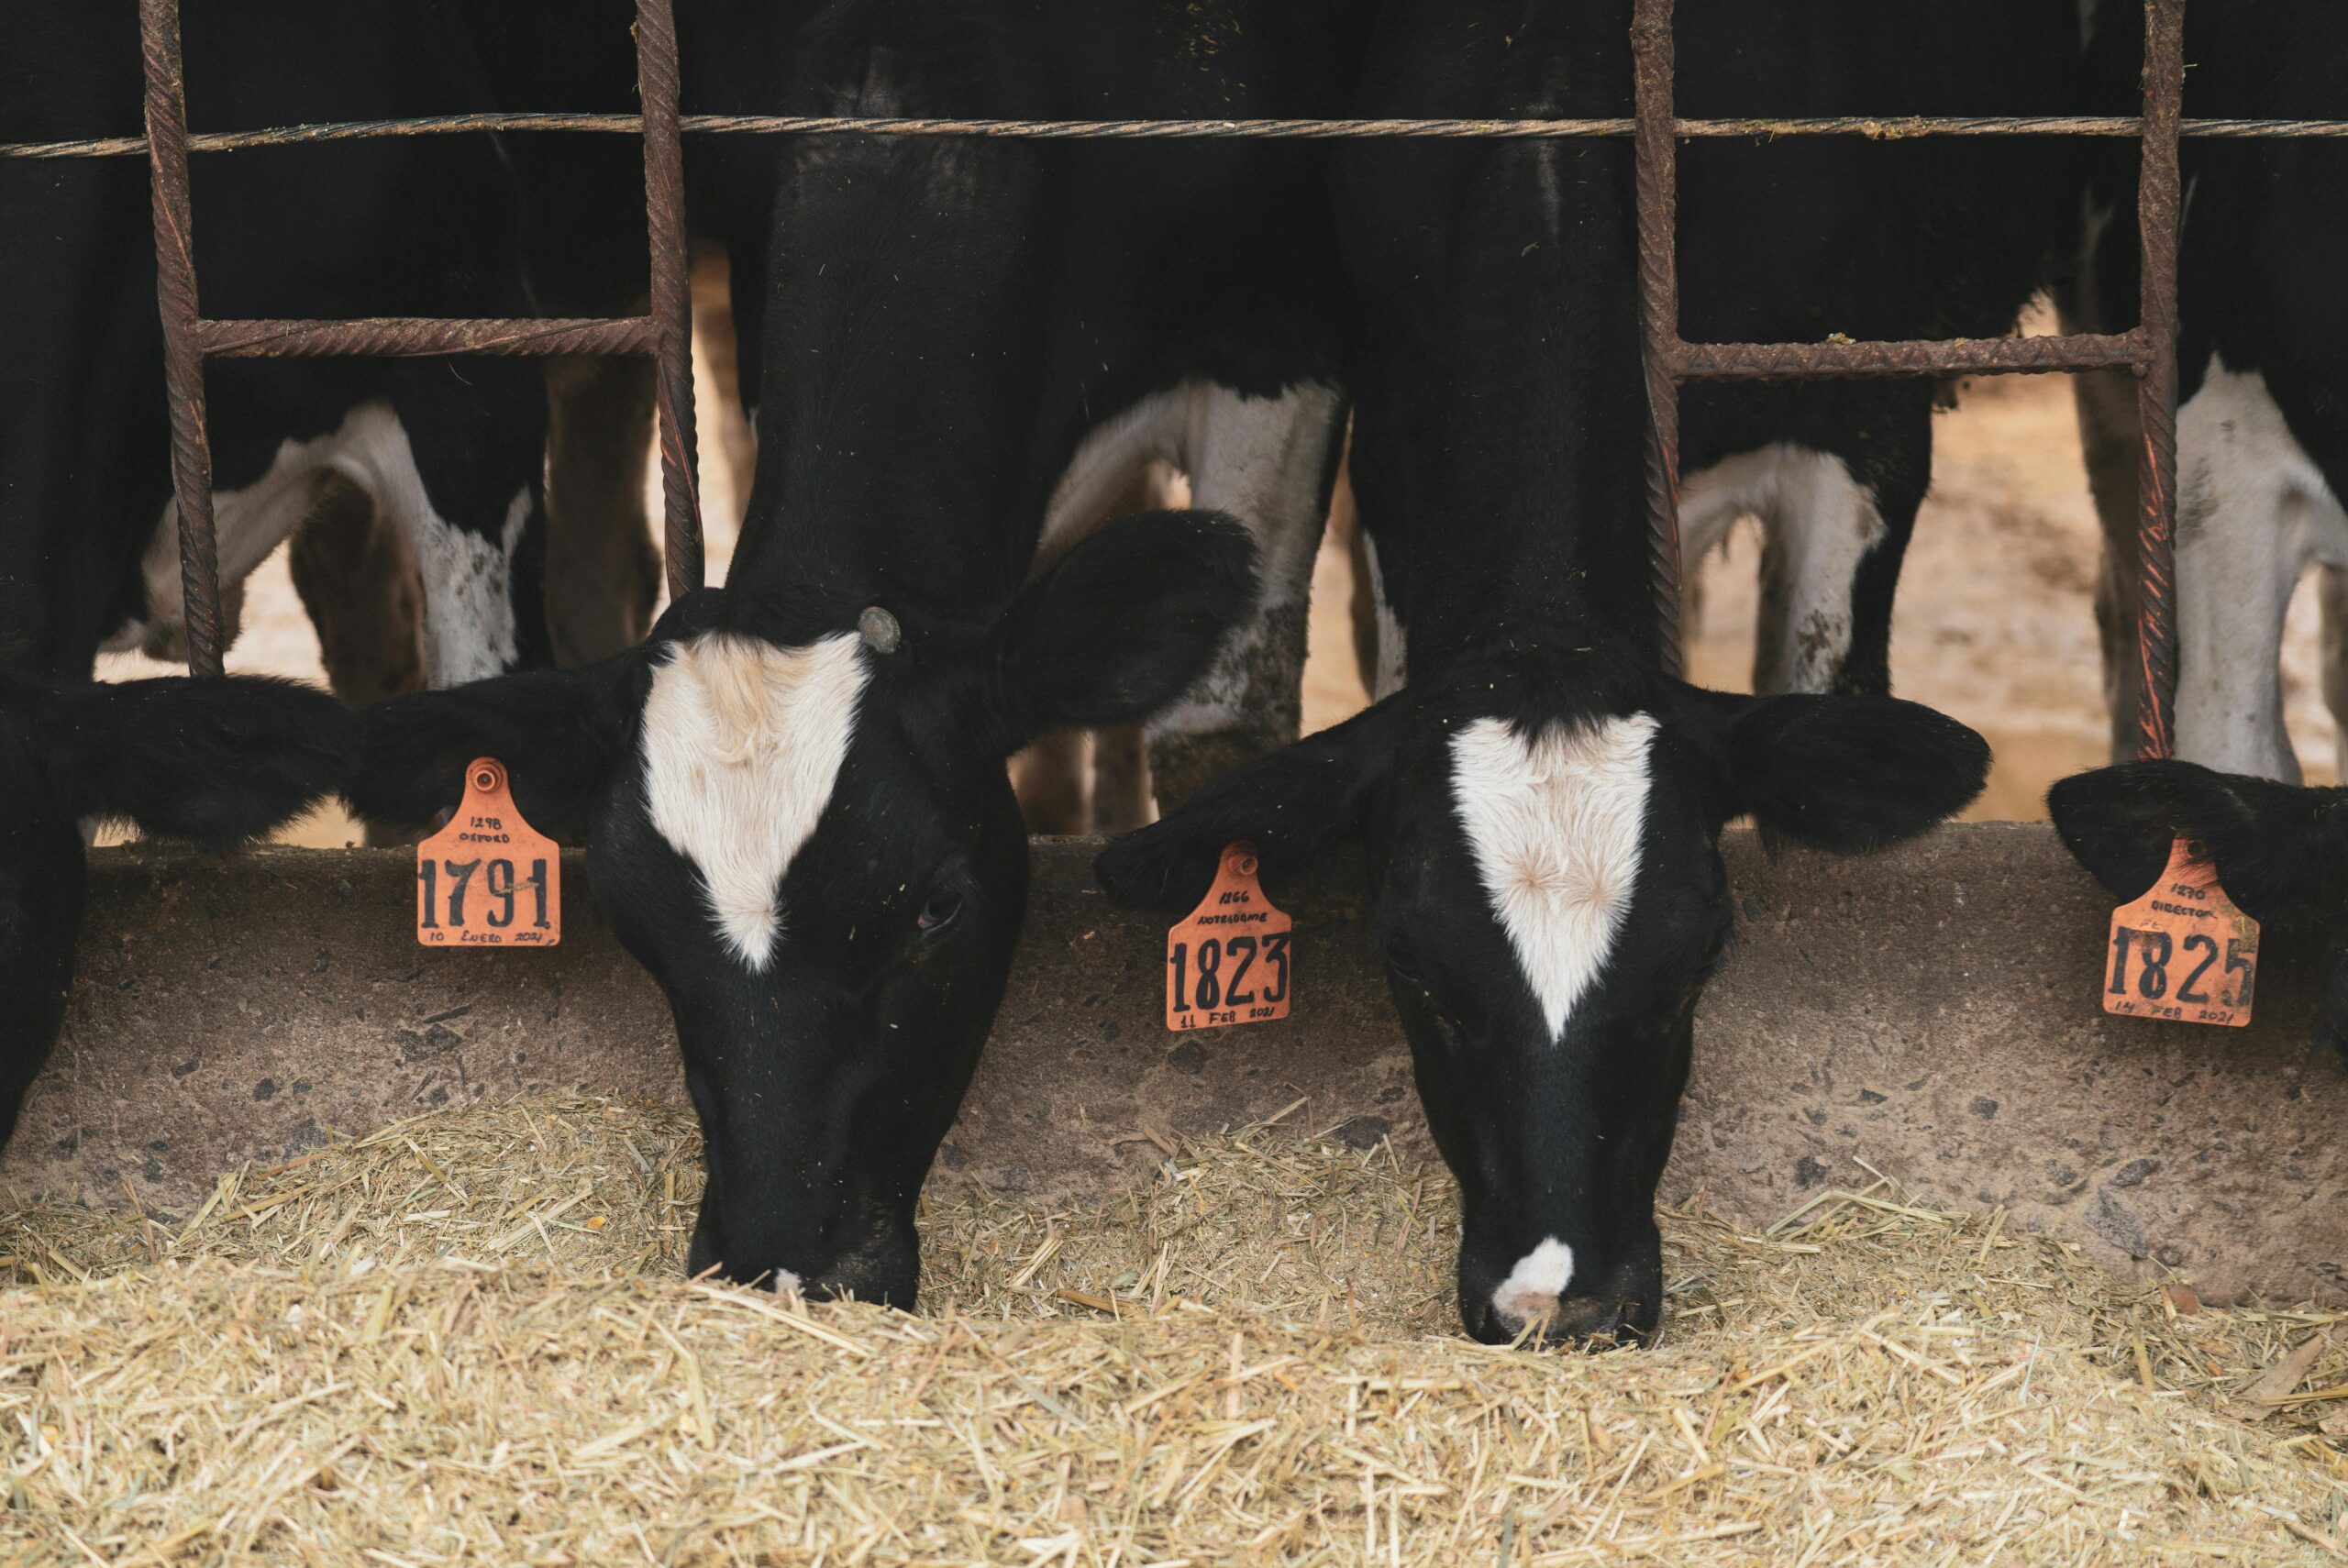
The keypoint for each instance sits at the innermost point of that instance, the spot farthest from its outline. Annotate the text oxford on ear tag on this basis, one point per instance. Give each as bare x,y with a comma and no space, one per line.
488,879
1228,963
2183,952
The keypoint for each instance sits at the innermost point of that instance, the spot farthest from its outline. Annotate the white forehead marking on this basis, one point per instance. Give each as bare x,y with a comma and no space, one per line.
743,743
1554,821
1534,1285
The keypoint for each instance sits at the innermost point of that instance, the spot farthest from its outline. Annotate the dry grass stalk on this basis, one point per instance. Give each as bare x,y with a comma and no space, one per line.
465,1340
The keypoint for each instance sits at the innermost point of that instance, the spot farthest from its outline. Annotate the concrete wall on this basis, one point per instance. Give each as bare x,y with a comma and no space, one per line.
1932,1012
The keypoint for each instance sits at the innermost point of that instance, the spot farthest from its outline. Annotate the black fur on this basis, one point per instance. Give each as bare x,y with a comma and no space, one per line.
826,1080
1123,624
1850,774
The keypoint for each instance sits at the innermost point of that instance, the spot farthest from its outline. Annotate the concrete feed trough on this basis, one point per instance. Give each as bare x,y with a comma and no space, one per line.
1930,1014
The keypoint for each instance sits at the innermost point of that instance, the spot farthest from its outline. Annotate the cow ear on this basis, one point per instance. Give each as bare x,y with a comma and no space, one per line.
1291,804
561,733
216,760
1124,623
1846,774
2272,843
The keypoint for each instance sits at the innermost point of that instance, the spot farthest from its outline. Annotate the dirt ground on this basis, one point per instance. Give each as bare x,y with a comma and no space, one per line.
1995,622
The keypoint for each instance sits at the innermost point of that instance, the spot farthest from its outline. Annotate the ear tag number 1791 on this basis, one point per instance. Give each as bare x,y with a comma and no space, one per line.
488,879
2183,952
1228,963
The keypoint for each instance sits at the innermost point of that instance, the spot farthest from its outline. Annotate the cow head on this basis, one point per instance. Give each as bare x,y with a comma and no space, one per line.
215,761
1542,844
800,822
2281,850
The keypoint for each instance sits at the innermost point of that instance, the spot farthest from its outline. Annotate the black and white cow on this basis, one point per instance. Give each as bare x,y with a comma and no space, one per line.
447,454
215,761
2281,849
2262,415
798,810
1541,807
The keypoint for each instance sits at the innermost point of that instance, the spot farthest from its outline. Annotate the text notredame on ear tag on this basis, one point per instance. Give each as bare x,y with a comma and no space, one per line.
2183,952
1228,963
488,879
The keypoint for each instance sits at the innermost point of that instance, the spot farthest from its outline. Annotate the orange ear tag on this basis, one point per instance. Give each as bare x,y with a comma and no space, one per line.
2183,952
1228,963
488,879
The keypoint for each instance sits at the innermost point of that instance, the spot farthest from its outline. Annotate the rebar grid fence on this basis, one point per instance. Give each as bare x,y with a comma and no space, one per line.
2149,350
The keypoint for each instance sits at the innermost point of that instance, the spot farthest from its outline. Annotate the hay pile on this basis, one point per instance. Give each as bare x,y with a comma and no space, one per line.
465,1340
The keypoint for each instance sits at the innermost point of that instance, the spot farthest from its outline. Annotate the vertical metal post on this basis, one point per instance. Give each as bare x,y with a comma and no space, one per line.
672,303
1658,223
158,23
2159,218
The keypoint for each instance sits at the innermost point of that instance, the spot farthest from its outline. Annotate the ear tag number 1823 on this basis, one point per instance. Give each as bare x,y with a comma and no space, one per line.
2183,952
1228,963
488,879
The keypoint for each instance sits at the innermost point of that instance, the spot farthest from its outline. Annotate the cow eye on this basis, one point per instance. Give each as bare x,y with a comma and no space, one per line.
1403,965
942,907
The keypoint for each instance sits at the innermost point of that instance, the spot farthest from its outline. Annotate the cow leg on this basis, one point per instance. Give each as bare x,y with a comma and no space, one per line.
717,337
1821,529
2331,592
2106,401
1833,542
1122,799
2241,547
1049,778
1270,462
359,587
601,570
458,472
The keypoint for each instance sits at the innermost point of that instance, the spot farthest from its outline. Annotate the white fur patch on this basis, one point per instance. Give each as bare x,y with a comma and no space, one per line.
1554,821
1534,1285
743,743
2252,511
1821,523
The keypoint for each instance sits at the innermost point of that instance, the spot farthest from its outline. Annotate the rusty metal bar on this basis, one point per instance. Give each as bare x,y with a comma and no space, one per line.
1971,357
2159,215
1661,352
672,299
408,337
189,338
1873,127
175,298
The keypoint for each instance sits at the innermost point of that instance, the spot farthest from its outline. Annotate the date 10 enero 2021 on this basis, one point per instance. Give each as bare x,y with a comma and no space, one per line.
506,895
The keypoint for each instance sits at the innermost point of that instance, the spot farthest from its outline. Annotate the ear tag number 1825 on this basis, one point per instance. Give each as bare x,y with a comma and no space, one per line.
488,879
2183,952
1228,963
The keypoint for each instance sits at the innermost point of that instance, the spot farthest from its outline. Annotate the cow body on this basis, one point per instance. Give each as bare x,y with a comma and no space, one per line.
2263,403
1541,805
959,351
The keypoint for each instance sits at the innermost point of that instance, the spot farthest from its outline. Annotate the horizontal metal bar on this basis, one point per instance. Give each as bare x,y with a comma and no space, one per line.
1879,127
1963,356
405,335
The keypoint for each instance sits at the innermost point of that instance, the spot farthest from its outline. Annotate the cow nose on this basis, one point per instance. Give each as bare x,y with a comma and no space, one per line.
1589,1321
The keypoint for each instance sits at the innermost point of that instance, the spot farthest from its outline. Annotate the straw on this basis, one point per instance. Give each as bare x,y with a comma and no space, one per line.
470,1339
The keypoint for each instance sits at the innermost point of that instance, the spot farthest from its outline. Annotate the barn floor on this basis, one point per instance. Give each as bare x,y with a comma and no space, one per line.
465,1339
